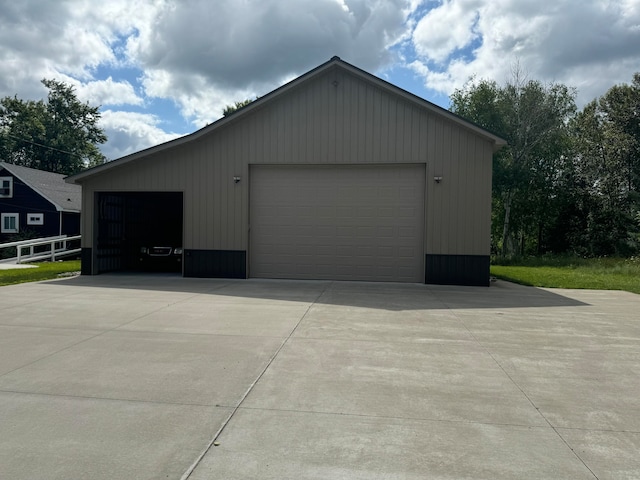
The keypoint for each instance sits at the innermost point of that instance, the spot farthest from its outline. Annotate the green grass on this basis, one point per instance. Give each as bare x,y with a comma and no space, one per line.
45,271
570,272
551,272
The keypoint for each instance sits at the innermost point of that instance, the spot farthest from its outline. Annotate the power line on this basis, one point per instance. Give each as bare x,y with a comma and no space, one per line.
42,145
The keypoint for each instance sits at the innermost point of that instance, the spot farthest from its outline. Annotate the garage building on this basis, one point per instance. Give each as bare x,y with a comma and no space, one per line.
336,175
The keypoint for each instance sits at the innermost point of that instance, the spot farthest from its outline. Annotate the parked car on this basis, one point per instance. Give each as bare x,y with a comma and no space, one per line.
161,258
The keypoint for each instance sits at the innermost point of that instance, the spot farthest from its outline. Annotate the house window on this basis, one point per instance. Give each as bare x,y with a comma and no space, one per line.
35,218
10,223
6,187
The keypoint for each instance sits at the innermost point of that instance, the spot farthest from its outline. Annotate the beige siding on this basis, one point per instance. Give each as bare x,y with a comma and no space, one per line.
317,122
458,208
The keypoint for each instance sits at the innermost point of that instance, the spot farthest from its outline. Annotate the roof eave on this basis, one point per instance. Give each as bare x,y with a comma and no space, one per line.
78,177
497,141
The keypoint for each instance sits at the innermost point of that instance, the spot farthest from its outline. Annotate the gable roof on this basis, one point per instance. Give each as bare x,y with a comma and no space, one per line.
52,186
497,141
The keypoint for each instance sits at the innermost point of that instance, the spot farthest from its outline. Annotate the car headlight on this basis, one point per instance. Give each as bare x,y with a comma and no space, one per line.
144,250
177,251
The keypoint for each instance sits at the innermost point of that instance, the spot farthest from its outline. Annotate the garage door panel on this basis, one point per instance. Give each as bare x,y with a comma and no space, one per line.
346,231
388,194
385,212
388,232
367,212
406,253
407,231
338,222
366,252
345,212
326,211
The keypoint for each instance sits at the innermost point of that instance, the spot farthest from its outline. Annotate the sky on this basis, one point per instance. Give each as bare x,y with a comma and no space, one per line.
161,69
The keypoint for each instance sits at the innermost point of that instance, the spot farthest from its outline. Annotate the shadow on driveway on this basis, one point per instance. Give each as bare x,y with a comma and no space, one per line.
385,296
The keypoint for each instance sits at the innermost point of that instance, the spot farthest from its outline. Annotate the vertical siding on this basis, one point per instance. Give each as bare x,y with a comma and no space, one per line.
458,188
435,206
317,123
459,208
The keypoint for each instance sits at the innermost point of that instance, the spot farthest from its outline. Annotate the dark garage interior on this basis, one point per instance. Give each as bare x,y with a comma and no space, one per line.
139,231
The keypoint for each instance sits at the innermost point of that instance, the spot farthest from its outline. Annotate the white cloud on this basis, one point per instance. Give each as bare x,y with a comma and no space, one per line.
130,132
108,92
446,29
567,41
199,56
169,56
60,39
198,100
204,57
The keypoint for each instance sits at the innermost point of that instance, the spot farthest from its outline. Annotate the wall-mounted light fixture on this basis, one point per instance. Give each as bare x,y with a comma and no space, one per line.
236,179
437,179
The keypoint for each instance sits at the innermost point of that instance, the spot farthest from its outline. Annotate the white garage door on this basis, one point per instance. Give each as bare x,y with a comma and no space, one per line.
333,222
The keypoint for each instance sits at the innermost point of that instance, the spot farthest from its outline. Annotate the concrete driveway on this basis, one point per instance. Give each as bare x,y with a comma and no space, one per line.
147,377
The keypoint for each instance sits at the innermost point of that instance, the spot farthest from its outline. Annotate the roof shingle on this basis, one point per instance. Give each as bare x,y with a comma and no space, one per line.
65,196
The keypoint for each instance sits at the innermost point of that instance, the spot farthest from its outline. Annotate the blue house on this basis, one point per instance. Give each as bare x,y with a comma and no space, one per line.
35,203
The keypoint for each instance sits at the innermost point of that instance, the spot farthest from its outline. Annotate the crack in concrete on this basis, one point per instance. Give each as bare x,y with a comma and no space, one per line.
213,440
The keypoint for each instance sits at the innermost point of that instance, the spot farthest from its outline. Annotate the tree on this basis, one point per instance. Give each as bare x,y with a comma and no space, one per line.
60,135
229,109
533,118
607,163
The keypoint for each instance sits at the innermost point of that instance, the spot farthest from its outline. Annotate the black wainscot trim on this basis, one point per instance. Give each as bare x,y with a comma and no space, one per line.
86,257
472,270
215,263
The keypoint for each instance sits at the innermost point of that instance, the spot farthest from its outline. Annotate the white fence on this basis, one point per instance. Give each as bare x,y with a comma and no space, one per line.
57,247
